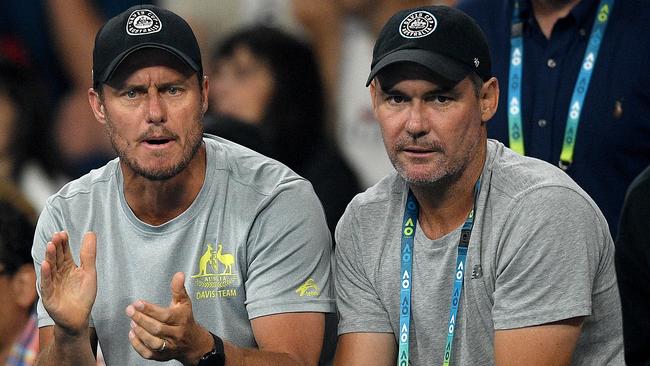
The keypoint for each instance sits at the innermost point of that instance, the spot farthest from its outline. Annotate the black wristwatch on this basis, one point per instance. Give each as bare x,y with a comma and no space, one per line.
217,356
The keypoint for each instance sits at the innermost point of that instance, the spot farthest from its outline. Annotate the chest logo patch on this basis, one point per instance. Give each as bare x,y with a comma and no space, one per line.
217,276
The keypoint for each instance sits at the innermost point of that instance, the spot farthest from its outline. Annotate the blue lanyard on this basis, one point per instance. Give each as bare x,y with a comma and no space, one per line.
515,129
408,234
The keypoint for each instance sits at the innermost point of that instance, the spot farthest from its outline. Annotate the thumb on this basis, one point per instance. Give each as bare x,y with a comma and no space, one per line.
88,251
179,294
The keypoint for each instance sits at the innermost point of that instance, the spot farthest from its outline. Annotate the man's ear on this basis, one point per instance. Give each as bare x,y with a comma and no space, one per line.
489,99
23,285
373,93
97,105
206,93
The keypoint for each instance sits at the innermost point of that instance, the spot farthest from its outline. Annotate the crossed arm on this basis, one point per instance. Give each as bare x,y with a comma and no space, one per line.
68,293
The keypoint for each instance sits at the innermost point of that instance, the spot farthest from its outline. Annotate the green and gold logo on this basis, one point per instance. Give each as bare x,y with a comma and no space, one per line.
309,288
215,274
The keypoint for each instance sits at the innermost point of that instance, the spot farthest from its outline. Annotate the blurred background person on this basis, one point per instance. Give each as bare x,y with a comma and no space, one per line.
28,157
268,86
633,269
574,89
18,329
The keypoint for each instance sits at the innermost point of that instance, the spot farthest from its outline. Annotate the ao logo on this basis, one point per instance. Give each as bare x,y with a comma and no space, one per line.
514,106
516,57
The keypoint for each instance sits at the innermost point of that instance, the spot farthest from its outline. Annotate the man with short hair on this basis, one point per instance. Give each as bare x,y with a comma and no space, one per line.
575,87
468,254
242,238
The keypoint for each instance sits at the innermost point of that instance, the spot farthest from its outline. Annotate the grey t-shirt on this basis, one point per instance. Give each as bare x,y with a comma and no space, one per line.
254,242
540,251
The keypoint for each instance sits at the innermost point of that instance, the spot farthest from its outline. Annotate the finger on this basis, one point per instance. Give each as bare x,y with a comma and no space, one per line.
50,255
65,240
179,294
88,251
149,340
150,317
58,241
140,347
46,279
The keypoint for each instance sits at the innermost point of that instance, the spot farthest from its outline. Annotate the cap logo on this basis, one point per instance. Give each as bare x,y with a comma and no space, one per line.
143,21
418,24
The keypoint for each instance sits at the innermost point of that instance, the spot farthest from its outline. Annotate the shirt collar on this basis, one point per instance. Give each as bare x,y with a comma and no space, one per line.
583,12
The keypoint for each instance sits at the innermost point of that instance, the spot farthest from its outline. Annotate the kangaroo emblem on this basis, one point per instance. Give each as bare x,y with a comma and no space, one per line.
207,258
226,259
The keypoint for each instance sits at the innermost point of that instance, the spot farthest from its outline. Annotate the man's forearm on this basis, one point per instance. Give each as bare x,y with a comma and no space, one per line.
237,356
67,349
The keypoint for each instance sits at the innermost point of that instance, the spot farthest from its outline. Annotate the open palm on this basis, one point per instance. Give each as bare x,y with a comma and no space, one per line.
68,291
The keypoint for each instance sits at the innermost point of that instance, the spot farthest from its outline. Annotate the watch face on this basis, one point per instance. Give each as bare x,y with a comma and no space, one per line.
213,359
216,357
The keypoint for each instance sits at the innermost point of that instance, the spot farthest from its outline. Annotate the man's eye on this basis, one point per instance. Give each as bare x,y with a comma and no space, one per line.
441,99
131,94
173,90
397,99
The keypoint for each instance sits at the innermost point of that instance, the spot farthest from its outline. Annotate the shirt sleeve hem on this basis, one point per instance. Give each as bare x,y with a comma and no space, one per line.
323,306
528,320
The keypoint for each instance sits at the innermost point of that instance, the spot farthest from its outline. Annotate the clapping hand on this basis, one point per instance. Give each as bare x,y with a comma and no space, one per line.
68,291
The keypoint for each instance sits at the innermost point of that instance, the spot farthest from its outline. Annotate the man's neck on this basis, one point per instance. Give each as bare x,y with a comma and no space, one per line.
548,12
445,206
157,202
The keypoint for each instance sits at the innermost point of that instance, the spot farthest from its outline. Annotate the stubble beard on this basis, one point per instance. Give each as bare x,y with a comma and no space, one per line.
444,175
189,151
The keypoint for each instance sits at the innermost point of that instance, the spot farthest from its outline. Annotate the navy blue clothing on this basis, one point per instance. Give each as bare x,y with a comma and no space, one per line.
633,270
613,139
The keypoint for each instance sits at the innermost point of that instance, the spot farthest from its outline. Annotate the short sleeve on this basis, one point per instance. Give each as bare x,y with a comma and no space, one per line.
289,254
553,248
359,306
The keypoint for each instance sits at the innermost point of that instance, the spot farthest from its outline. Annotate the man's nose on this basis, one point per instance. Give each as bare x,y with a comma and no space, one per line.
417,125
156,108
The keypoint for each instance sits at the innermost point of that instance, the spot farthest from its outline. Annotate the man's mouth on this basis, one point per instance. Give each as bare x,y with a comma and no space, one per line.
417,150
158,141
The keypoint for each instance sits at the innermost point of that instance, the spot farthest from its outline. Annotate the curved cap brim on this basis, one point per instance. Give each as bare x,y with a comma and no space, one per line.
447,68
110,69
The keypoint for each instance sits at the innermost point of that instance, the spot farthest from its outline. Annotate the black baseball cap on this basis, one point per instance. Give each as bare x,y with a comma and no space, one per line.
444,40
143,26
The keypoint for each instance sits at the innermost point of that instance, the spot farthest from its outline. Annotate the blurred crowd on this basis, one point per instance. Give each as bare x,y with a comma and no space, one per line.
286,80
